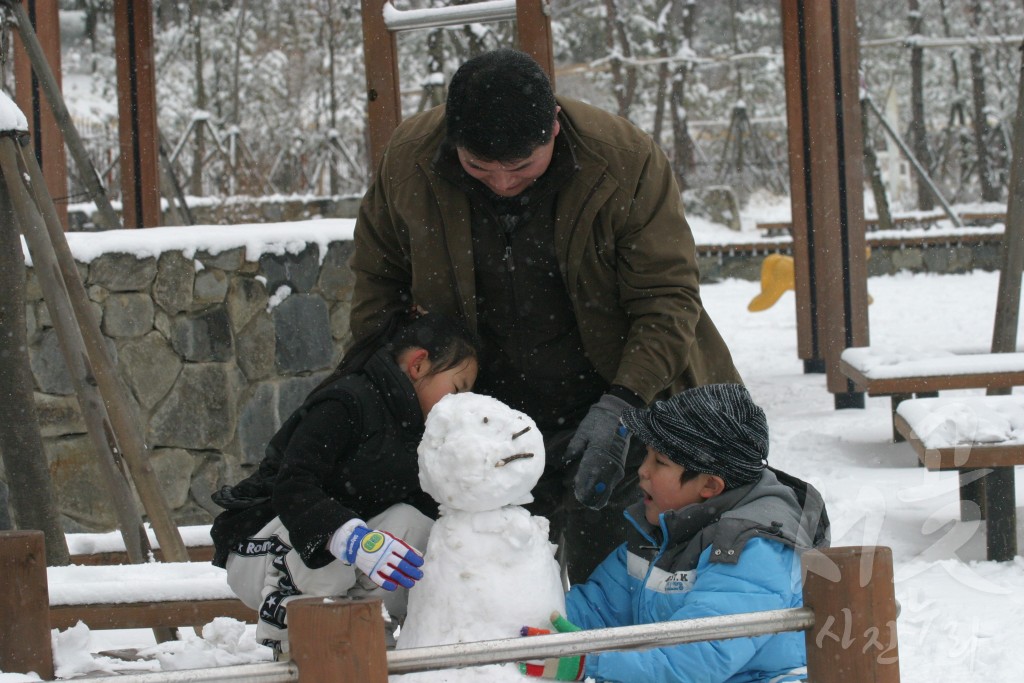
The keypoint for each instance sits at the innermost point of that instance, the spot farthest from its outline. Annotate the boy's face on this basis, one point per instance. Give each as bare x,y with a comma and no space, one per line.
660,481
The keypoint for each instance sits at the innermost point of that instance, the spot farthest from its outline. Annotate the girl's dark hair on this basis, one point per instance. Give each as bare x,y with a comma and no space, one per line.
447,341
500,106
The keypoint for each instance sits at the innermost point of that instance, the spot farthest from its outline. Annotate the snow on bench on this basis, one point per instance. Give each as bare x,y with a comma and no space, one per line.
142,596
969,434
904,373
108,547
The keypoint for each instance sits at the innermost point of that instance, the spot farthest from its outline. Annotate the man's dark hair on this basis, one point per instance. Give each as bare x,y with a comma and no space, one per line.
500,106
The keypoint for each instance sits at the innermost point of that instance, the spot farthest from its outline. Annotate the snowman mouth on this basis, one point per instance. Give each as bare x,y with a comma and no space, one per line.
511,458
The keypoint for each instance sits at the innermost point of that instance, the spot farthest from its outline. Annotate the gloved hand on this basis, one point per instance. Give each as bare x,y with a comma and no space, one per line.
389,561
602,442
561,668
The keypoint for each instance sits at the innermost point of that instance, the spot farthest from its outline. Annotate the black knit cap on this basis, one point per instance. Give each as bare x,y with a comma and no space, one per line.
716,429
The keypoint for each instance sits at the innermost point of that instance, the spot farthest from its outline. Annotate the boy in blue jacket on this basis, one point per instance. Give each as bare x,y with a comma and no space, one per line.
717,532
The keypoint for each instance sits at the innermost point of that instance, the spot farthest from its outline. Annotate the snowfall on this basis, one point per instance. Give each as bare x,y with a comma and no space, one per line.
959,618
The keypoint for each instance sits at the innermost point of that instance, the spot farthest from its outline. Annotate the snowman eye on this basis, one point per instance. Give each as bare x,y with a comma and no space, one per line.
520,432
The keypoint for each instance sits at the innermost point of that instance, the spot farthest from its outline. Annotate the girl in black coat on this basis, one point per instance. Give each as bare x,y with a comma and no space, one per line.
296,526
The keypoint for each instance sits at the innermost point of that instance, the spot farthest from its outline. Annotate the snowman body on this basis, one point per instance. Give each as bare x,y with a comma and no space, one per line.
489,567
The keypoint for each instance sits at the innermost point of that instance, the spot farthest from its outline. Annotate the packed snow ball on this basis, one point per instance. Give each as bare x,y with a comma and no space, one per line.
478,454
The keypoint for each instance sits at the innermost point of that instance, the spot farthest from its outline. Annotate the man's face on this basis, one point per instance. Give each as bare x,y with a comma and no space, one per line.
509,178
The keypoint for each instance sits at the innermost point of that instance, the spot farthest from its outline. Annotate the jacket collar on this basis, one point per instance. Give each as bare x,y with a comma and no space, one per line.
395,390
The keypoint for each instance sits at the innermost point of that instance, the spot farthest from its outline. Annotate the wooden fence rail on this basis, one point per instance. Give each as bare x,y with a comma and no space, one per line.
848,620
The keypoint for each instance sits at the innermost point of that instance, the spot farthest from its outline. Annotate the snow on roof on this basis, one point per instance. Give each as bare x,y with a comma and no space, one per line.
947,422
889,363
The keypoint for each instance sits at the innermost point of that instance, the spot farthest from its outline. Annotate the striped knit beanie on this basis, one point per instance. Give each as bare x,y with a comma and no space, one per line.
716,429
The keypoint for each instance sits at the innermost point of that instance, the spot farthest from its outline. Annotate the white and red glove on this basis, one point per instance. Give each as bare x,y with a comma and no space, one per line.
389,561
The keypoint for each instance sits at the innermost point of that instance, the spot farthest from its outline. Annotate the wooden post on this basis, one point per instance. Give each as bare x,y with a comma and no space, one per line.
136,105
25,604
337,639
383,97
48,82
853,639
826,176
533,29
126,430
69,334
49,143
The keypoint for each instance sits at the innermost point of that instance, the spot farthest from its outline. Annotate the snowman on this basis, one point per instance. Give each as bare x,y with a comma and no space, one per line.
489,567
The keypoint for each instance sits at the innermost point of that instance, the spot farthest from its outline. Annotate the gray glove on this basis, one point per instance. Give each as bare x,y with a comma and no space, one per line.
602,442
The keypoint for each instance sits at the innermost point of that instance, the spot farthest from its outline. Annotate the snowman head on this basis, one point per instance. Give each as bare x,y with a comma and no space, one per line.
478,454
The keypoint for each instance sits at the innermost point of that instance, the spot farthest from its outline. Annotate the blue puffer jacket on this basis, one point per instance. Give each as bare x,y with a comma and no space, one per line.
737,552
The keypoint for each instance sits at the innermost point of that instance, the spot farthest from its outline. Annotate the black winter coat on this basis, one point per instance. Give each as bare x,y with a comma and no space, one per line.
348,451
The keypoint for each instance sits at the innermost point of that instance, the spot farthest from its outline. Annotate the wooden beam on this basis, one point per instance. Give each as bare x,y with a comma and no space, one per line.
533,27
47,141
823,111
136,105
170,614
383,96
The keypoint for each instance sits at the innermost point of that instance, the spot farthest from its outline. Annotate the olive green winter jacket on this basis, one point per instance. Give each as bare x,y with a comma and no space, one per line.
624,247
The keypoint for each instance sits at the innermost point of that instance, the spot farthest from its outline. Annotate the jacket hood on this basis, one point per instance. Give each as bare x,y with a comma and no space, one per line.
396,390
778,507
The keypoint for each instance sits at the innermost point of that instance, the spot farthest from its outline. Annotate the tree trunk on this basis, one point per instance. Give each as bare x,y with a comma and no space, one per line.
874,174
918,129
624,77
684,154
200,141
32,500
989,191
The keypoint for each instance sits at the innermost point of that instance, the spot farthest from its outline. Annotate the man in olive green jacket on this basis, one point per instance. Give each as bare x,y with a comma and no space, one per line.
556,231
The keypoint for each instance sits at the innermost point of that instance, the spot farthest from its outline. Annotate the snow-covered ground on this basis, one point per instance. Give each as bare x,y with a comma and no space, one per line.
959,612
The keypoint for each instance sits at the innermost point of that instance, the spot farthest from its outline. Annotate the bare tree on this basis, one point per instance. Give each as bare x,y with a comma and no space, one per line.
989,190
624,75
918,129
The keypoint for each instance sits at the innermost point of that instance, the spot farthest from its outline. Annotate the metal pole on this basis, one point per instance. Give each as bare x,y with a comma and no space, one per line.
438,17
50,88
921,172
642,637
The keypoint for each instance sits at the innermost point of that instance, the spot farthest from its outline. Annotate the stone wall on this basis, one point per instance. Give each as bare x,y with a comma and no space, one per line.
215,351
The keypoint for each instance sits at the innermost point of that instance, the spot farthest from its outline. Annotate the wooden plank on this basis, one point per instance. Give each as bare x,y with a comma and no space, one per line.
150,614
533,29
203,553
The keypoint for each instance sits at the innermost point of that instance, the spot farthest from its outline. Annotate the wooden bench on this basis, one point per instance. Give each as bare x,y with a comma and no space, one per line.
910,373
141,596
982,438
911,220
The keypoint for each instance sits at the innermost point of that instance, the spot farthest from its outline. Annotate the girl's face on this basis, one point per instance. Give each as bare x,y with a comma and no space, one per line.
660,481
431,387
